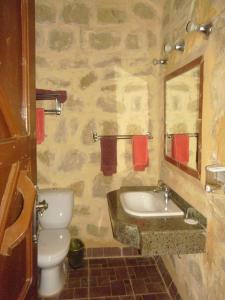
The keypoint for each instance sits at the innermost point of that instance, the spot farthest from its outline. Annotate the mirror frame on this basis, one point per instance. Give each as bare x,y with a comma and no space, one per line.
196,62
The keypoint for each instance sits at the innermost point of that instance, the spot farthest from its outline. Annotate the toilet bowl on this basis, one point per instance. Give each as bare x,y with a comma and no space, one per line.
54,239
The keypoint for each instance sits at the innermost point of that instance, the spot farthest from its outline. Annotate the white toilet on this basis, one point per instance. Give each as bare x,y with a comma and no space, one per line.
54,239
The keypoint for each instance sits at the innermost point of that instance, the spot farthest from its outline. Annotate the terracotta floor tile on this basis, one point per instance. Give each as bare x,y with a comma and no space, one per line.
150,297
116,262
118,278
102,291
67,294
140,272
151,270
103,281
80,293
145,261
118,288
127,298
155,287
121,273
139,286
92,281
108,271
163,296
131,261
95,272
128,287
78,273
73,282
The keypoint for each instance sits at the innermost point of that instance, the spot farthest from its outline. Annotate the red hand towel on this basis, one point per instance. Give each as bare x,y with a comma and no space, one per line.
108,155
140,152
40,125
180,148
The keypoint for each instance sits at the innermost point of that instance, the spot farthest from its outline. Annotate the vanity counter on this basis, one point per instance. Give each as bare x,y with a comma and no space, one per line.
156,235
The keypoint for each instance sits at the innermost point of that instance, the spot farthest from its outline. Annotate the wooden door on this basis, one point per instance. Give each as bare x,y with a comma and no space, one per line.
17,150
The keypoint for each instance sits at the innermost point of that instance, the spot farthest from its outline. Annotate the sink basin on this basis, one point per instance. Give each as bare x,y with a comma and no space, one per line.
148,204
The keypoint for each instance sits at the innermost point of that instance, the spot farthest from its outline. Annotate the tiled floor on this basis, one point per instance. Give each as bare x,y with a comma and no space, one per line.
115,279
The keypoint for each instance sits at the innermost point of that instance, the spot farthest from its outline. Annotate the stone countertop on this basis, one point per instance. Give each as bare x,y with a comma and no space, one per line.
156,235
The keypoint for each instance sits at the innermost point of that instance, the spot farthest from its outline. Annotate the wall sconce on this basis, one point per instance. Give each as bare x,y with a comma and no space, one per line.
161,61
178,47
204,28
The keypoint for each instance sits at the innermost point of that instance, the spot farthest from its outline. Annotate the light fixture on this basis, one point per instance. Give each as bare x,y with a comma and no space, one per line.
178,47
161,61
204,28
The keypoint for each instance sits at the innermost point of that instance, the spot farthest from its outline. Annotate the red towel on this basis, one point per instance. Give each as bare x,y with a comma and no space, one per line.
140,152
180,148
108,155
40,125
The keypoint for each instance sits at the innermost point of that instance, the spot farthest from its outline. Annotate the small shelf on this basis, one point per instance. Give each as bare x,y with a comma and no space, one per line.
59,97
215,179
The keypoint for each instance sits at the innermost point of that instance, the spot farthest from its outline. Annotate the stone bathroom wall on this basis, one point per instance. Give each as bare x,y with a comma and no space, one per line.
101,53
201,276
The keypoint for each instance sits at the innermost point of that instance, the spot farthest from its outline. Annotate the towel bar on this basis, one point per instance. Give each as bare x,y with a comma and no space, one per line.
97,137
170,135
59,97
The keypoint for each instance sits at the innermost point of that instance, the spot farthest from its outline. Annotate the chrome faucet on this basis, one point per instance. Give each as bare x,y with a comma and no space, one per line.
163,187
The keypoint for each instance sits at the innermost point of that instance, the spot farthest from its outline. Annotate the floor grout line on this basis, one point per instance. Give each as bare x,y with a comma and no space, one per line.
129,279
159,271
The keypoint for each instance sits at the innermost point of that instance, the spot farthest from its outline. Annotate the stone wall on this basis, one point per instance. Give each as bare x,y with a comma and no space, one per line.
101,53
201,276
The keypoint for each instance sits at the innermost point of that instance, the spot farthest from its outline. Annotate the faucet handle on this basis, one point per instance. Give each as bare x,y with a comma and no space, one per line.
166,188
163,186
41,207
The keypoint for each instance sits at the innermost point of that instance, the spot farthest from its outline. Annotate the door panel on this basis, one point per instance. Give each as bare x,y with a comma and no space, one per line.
17,150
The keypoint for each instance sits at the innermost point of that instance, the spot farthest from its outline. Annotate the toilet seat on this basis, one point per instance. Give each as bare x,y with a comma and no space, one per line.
53,246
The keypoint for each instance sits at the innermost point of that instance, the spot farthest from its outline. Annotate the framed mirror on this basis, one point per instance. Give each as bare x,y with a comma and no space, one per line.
183,114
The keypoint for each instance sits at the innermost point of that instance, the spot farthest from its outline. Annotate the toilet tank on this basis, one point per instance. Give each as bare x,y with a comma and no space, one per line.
60,207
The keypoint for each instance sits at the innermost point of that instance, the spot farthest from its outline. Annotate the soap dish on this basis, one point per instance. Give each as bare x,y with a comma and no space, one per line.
191,221
191,216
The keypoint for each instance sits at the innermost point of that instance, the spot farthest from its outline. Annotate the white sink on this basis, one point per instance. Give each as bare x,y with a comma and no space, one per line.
148,204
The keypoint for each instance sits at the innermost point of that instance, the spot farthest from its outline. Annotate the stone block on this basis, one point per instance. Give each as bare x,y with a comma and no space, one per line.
108,62
108,104
111,16
45,13
87,80
104,40
144,11
110,127
60,40
46,157
78,188
41,62
77,13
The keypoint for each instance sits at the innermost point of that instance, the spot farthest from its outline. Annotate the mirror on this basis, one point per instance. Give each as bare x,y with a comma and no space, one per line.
183,113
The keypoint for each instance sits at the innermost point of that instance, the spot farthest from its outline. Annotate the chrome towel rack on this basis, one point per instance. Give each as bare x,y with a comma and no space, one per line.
170,135
97,137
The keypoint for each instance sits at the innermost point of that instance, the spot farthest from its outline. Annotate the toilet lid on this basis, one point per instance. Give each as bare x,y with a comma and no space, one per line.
53,243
